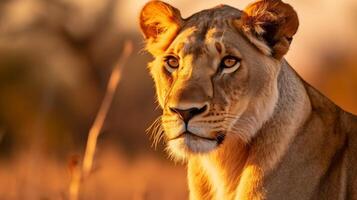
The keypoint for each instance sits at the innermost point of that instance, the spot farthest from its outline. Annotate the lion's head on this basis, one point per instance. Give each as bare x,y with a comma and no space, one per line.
216,72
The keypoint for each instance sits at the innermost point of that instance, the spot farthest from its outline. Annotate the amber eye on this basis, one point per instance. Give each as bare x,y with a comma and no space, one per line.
171,63
230,64
229,61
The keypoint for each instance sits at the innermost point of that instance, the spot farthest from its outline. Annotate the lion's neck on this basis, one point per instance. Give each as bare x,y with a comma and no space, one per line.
235,163
291,111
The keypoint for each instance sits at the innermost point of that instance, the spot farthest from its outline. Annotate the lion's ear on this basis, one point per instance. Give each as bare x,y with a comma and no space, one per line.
160,23
272,21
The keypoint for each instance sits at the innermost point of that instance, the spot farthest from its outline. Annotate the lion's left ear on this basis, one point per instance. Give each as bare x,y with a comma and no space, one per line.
272,21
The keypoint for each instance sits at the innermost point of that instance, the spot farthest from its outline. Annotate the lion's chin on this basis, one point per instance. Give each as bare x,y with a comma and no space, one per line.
181,148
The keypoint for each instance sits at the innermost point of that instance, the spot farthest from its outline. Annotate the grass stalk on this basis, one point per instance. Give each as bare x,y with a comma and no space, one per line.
79,174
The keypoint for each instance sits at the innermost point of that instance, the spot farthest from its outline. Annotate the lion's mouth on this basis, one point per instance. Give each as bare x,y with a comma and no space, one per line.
219,139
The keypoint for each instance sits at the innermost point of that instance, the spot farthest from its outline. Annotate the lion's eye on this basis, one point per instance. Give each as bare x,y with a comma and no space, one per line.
171,63
230,64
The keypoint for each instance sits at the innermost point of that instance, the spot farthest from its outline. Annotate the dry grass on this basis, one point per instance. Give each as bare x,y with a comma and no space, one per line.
79,174
108,175
116,177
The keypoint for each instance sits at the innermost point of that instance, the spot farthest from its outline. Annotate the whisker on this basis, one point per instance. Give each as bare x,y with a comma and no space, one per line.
156,132
209,121
157,129
160,137
149,130
167,121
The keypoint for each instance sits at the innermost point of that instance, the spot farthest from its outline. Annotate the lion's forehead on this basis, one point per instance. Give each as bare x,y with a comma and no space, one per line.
204,30
198,43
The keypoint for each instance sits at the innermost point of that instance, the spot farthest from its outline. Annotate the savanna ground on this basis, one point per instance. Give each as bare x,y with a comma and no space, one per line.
55,60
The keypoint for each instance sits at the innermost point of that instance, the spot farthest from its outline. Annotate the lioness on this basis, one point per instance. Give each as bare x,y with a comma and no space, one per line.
248,126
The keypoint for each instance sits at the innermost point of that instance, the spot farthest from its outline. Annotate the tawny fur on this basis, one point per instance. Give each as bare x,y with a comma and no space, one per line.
283,139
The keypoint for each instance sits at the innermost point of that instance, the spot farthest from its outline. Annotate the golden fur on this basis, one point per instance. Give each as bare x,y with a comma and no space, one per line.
262,132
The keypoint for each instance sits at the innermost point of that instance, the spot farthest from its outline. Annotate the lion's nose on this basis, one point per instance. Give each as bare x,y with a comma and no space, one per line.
187,114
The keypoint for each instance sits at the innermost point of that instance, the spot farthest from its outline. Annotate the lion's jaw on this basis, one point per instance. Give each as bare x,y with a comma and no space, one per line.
202,139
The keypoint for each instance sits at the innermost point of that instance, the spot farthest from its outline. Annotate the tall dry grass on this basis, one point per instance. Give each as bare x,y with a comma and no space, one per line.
80,174
115,176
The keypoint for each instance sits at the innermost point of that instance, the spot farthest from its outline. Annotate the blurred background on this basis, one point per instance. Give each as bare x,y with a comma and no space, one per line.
55,59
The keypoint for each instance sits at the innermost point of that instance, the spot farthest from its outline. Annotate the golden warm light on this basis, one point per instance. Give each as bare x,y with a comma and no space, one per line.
76,97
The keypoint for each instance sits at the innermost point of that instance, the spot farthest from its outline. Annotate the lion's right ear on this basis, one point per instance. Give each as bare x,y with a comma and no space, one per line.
160,23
